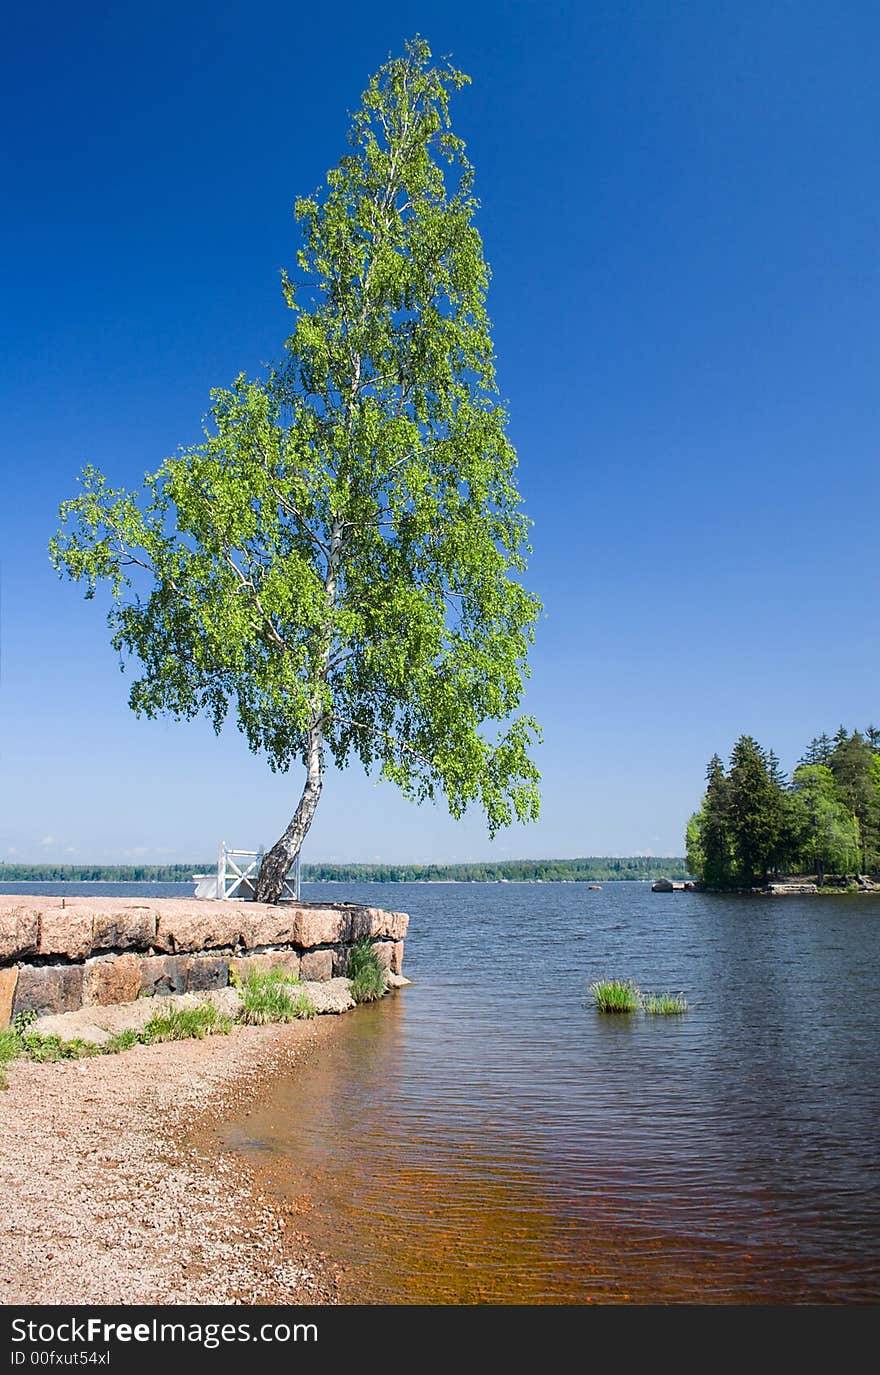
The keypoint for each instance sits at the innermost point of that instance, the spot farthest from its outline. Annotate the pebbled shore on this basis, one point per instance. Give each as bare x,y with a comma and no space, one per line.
111,1191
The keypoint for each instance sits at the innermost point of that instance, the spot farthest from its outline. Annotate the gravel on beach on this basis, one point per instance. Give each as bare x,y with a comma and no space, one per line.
113,1192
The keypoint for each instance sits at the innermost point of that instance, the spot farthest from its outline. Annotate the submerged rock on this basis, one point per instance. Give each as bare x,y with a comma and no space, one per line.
396,980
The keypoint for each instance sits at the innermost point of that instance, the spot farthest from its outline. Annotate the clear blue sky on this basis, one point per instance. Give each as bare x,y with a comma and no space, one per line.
681,208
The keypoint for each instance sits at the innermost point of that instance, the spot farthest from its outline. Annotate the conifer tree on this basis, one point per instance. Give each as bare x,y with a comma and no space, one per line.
714,831
753,810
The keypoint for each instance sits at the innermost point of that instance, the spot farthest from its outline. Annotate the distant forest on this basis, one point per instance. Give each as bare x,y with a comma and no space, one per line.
606,868
823,820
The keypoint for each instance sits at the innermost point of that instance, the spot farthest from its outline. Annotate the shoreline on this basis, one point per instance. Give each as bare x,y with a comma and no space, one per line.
793,886
116,1190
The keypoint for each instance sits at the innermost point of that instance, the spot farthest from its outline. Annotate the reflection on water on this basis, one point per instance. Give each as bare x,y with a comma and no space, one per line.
486,1136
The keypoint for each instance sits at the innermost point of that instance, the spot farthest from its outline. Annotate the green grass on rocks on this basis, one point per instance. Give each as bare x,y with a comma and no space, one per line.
271,996
366,973
182,1023
267,998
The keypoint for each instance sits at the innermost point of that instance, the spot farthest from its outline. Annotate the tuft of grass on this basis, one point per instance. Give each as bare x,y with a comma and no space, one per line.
36,1045
304,1007
19,1040
267,998
44,1049
366,973
615,995
47,1049
278,974
664,1004
180,1023
361,956
368,985
10,1045
120,1040
78,1049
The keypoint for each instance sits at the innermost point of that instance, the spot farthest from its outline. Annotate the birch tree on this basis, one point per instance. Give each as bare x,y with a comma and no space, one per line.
339,562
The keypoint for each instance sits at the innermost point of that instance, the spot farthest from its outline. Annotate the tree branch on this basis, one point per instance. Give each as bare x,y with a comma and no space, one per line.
384,734
129,559
248,584
301,521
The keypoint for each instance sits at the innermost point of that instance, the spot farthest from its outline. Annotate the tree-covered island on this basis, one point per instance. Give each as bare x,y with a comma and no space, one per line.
754,822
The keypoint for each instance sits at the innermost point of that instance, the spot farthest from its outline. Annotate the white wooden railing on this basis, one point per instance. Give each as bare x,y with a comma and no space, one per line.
236,877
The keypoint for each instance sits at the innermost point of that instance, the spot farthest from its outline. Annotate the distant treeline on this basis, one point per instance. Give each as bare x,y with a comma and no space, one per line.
825,819
522,870
102,873
605,868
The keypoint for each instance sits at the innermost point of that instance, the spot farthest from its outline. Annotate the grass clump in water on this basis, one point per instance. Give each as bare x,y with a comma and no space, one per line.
615,995
664,1004
366,973
180,1023
267,998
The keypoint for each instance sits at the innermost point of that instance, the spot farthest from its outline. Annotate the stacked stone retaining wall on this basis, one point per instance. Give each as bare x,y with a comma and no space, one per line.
59,954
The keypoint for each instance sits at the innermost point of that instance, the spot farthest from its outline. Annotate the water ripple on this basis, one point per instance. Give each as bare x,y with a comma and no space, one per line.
486,1136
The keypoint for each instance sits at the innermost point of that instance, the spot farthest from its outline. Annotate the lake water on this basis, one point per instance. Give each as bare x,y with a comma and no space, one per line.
486,1136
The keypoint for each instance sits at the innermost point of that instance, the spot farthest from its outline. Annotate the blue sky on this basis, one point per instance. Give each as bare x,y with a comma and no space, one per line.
681,209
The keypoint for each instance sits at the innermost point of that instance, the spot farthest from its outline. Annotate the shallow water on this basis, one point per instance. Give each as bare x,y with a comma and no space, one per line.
486,1136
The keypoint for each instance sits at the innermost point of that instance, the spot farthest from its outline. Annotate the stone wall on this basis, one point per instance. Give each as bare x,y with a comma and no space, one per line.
59,954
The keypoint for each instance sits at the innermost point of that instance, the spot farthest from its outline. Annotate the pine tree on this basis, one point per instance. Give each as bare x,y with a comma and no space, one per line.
818,751
810,756
754,810
781,801
714,831
826,745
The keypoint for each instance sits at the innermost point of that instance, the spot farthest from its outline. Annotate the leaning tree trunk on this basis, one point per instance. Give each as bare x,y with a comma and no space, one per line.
277,861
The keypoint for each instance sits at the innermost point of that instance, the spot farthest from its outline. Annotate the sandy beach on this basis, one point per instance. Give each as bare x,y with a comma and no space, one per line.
113,1191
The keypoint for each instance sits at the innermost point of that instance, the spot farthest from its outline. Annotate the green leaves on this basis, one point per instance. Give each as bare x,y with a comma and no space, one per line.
338,562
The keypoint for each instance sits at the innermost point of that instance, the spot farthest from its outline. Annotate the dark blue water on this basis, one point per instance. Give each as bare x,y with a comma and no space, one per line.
486,1135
